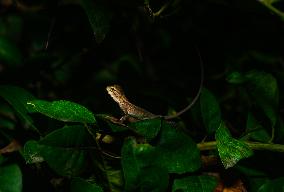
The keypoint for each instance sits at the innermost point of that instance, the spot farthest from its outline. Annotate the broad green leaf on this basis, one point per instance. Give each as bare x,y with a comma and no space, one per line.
148,128
274,185
255,130
230,150
99,17
67,151
178,153
63,110
155,179
18,98
210,110
9,52
80,185
10,178
264,90
141,173
203,183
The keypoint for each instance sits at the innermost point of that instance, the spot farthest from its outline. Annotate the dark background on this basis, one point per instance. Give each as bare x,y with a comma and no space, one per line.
154,59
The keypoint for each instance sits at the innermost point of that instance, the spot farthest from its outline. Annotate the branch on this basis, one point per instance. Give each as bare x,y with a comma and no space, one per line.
253,145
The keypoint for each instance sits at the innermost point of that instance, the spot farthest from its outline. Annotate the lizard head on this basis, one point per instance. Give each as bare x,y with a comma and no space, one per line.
116,92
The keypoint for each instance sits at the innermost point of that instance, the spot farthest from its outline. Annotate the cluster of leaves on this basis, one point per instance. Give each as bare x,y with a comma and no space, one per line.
50,139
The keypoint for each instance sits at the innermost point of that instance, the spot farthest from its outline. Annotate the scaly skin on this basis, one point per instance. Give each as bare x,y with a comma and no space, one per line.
116,92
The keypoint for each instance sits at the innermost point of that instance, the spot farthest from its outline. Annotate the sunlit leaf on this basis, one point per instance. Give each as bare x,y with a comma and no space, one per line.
210,111
99,17
18,98
80,185
201,183
9,52
178,153
141,171
63,110
67,150
10,178
230,150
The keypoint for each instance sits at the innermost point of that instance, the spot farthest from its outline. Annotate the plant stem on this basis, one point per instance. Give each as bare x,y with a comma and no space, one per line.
162,9
273,9
253,145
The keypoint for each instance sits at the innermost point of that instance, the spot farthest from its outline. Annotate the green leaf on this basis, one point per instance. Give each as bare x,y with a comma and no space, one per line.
210,110
274,185
18,98
230,150
264,91
66,150
203,183
114,177
99,17
6,124
66,111
9,52
148,128
110,123
155,179
141,173
178,153
80,185
255,130
11,26
236,78
10,178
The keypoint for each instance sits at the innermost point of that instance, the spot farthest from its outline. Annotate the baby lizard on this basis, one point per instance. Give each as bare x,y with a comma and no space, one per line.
129,109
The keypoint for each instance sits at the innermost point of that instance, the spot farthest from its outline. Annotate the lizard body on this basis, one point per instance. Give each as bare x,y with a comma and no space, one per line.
129,109
117,93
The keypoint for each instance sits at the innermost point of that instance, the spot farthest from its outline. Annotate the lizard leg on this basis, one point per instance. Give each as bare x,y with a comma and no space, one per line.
127,118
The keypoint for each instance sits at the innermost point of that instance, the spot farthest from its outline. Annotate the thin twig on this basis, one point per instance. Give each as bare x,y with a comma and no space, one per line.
211,145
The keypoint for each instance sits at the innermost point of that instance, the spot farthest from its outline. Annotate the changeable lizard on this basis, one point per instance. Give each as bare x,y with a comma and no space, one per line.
131,110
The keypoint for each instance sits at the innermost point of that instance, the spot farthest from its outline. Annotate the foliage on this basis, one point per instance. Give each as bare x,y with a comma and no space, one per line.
59,128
